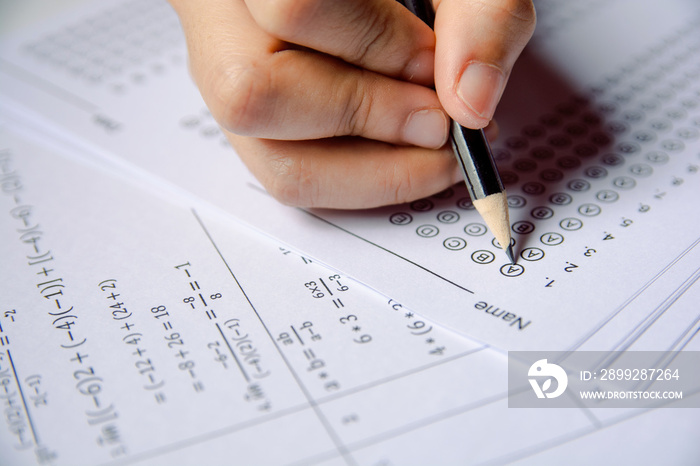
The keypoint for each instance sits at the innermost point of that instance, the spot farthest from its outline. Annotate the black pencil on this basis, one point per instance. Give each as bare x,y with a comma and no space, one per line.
476,160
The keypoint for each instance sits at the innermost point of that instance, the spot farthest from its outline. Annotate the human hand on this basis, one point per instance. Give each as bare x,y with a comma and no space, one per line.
329,102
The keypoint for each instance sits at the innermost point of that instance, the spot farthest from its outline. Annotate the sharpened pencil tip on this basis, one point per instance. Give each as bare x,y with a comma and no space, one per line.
509,253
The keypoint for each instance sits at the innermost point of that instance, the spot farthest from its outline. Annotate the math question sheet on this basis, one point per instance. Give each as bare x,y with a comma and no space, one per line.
140,326
158,307
600,130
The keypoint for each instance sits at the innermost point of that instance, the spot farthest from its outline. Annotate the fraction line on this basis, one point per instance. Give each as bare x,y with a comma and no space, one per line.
24,402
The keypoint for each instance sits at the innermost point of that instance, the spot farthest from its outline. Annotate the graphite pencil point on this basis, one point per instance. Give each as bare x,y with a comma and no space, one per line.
509,253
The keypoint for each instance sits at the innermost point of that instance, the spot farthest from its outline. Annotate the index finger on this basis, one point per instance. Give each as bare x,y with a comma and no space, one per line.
378,35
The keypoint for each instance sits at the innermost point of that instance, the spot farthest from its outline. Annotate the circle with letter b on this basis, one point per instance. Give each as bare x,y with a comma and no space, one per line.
523,227
483,256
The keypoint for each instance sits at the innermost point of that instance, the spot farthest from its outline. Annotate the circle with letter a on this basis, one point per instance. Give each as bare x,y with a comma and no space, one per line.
512,270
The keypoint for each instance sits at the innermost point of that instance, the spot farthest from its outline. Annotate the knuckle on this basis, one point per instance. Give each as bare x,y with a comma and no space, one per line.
239,97
289,181
523,10
398,186
513,24
519,13
357,108
373,34
284,18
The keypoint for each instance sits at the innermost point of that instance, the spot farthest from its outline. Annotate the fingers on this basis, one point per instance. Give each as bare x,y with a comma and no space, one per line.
378,35
255,85
297,95
312,104
477,44
346,173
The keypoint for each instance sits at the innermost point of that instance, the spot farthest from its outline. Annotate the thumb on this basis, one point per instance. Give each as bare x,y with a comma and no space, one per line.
477,43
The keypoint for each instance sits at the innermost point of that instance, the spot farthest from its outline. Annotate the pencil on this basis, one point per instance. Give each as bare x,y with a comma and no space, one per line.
476,160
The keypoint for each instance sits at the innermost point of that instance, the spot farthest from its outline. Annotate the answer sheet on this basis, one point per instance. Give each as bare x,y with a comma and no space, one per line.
158,306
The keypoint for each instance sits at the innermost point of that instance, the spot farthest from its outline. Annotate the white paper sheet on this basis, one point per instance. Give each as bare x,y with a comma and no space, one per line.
112,185
599,150
139,327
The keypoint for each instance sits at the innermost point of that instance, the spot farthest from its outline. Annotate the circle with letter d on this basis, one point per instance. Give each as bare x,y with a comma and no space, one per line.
427,231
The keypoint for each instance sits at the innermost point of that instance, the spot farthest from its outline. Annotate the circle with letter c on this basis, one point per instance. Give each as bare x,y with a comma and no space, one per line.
454,243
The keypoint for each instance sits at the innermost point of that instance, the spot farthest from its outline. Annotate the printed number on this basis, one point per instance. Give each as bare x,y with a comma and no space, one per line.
349,318
174,339
187,365
626,222
104,285
134,340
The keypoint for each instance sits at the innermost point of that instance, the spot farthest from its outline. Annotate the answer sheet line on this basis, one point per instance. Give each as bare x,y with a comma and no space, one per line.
636,295
656,314
569,437
389,251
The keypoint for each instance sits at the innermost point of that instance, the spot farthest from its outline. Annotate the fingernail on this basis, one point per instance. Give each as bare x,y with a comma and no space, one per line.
426,128
480,87
421,69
